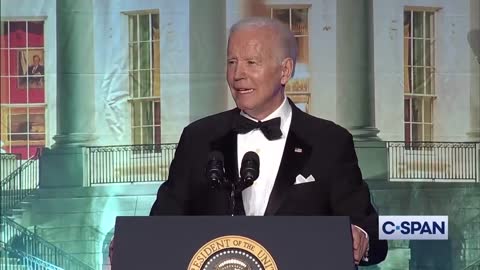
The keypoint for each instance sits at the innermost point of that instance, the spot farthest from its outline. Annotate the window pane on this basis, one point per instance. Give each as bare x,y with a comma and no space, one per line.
148,135
418,53
158,135
418,79
428,132
157,113
417,109
408,51
406,110
144,28
35,34
133,57
429,53
132,28
19,62
18,90
136,113
3,62
137,135
302,43
417,133
407,25
156,68
4,91
147,113
408,135
418,24
300,21
428,103
4,121
133,81
429,23
407,84
19,120
282,15
37,125
3,34
145,55
145,89
18,37
155,27
156,83
430,81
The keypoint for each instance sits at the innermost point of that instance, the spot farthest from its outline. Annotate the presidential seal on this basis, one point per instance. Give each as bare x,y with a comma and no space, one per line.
232,253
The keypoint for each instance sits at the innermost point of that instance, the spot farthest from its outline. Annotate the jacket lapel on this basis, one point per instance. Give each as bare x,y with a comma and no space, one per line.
295,154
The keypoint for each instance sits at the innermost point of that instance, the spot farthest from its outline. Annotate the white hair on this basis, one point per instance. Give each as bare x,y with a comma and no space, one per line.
288,43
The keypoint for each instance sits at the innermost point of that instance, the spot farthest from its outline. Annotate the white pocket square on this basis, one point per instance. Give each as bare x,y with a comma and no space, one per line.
302,180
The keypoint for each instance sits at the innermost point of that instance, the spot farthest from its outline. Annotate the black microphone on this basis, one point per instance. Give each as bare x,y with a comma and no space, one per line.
249,170
215,171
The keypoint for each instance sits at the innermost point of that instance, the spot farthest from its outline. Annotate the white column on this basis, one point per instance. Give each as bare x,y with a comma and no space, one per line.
355,87
474,42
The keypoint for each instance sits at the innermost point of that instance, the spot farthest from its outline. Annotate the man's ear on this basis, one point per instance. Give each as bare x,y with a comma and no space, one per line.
287,70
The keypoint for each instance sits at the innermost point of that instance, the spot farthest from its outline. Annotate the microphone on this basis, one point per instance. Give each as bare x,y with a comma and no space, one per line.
249,170
215,171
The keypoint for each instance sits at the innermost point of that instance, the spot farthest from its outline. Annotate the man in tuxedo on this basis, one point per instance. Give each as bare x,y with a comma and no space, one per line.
308,165
36,68
36,71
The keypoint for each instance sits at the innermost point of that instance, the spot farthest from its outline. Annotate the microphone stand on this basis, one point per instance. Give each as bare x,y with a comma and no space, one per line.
232,198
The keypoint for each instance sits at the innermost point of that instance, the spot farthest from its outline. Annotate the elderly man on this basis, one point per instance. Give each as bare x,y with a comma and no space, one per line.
309,165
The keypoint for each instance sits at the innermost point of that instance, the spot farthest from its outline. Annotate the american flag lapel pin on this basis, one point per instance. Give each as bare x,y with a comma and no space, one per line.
298,150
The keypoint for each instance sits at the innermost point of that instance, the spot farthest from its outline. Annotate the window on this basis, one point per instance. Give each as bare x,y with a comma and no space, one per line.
22,86
296,18
144,77
419,74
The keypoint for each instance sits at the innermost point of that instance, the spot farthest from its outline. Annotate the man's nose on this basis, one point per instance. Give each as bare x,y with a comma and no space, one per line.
239,72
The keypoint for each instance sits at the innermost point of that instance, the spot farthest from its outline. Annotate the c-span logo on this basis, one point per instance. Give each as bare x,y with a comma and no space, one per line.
232,253
413,227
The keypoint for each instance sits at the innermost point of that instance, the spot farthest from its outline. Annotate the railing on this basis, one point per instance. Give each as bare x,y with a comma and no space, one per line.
129,163
8,163
474,266
434,161
13,257
21,239
19,183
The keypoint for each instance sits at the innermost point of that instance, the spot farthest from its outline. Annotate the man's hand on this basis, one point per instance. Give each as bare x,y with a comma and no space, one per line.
360,244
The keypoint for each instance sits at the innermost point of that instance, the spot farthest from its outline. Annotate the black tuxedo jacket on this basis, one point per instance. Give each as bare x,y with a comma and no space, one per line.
40,69
314,147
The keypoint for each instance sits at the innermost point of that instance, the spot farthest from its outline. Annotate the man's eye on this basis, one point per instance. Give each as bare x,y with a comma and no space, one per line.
230,62
251,62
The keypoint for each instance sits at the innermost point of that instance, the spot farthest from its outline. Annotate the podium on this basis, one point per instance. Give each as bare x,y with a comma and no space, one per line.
238,242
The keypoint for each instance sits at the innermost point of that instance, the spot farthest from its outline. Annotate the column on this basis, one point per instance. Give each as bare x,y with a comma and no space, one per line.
355,84
208,88
474,42
62,165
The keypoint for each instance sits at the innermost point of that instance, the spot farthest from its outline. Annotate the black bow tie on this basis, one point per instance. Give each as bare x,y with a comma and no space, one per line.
270,129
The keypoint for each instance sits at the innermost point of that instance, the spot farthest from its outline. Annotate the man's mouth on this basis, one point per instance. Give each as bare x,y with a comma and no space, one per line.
244,90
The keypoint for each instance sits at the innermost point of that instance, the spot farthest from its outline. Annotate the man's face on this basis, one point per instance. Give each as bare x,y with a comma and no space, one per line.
36,60
254,71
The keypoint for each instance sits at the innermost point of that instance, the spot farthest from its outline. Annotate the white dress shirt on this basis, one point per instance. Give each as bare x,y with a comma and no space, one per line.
255,198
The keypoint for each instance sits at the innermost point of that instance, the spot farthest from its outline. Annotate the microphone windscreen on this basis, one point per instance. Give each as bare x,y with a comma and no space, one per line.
215,155
250,168
251,156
